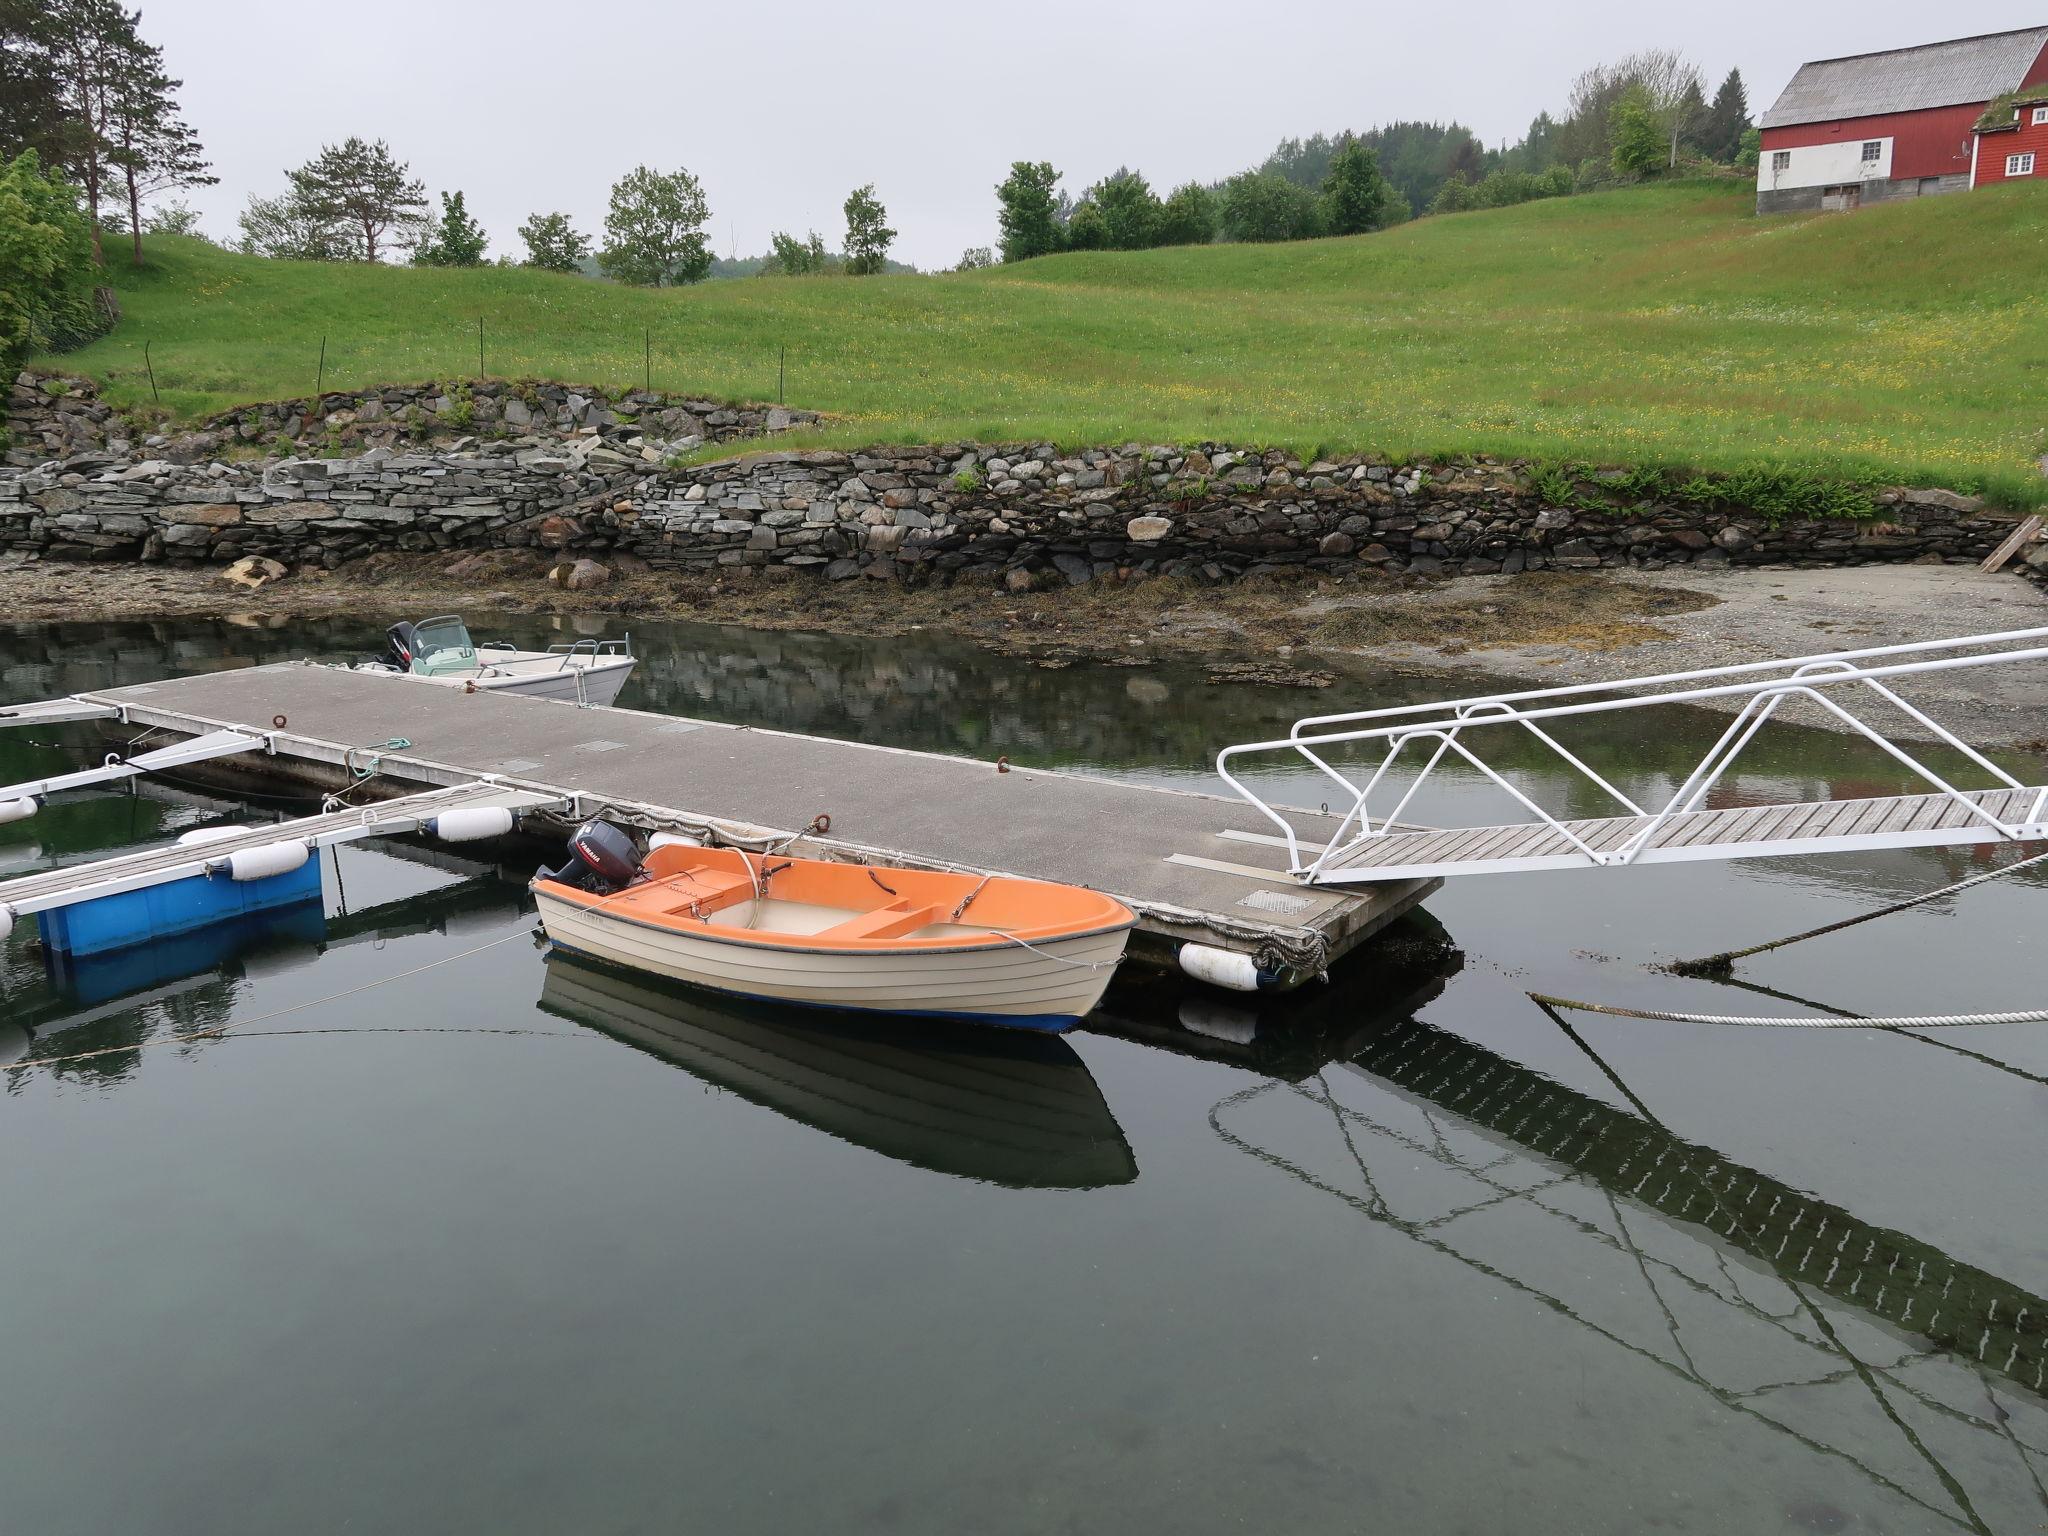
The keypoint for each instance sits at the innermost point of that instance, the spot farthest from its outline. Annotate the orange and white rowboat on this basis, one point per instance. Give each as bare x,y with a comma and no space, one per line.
872,938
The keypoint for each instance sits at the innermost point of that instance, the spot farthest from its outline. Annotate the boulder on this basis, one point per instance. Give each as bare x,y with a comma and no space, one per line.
1148,530
580,575
254,571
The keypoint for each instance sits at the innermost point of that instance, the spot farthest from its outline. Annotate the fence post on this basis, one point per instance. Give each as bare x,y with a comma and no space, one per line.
320,372
647,356
151,367
781,357
479,348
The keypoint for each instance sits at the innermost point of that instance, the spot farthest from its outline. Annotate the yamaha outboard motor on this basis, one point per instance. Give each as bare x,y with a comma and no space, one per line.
400,648
601,857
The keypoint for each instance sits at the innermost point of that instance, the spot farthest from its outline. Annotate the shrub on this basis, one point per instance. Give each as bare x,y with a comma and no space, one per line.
46,271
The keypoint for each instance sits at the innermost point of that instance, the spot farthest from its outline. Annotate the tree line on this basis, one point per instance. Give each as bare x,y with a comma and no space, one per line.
1640,116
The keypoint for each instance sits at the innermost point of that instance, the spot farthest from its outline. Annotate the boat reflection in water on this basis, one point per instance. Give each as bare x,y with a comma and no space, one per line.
1000,1107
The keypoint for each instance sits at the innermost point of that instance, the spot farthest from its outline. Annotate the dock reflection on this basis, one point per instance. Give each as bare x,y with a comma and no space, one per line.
1011,1109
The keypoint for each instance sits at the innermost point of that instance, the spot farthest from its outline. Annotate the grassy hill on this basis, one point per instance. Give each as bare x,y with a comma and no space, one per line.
1660,325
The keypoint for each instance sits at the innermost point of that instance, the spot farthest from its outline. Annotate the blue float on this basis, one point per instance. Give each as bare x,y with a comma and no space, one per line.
161,911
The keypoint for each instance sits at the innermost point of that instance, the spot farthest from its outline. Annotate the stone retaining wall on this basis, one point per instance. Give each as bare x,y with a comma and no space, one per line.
52,416
1022,513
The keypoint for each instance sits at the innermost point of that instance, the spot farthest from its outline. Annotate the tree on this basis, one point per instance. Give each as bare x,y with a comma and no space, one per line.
175,219
1029,214
1686,120
33,111
1188,217
456,241
1727,120
552,243
975,257
152,146
1259,205
1354,192
867,237
1130,210
1636,134
1456,195
46,263
361,184
93,46
791,257
1087,229
284,229
1751,149
654,229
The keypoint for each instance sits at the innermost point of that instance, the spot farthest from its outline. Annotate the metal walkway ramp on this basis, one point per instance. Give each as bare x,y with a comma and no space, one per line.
199,749
51,889
1372,844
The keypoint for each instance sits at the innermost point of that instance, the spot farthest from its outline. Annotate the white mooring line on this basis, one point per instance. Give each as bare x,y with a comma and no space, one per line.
1372,846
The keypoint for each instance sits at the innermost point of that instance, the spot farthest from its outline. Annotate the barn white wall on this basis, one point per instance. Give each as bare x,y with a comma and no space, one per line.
1825,165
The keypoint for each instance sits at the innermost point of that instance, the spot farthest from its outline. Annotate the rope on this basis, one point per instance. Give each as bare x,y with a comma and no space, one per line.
1723,963
220,1032
1084,965
968,900
1852,1021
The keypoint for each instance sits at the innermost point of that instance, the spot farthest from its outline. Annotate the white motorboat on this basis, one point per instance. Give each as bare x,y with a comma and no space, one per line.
441,651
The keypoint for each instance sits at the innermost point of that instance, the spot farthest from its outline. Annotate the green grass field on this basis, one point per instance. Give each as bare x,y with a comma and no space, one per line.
1661,325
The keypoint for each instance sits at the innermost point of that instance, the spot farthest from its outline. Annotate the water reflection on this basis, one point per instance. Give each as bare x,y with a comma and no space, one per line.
1004,1108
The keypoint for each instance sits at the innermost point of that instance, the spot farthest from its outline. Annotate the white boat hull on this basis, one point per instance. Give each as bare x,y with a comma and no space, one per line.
1049,985
600,683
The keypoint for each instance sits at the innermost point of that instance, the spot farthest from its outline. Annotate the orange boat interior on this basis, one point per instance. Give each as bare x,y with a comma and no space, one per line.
768,899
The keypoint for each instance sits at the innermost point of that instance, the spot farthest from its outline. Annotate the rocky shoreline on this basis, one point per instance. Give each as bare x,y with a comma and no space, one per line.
592,480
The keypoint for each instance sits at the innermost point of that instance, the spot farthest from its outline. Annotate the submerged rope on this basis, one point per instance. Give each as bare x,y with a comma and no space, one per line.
223,1031
1724,962
1852,1021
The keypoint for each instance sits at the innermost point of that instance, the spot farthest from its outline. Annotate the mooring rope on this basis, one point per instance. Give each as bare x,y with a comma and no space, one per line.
1918,1021
1724,962
223,1031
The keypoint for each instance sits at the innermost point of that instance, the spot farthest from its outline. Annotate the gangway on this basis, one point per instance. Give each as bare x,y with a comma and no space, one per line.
1371,844
51,889
199,749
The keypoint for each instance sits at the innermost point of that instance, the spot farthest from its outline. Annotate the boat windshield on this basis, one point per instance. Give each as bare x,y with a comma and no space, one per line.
433,636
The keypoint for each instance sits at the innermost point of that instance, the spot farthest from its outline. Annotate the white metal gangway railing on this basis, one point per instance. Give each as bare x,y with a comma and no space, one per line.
1371,843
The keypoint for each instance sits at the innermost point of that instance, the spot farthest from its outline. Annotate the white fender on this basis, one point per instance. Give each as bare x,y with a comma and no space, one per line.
1220,967
471,823
261,863
200,836
6,923
673,840
1218,1020
17,810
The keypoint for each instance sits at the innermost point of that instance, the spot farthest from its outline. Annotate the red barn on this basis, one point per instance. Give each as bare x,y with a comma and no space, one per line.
1889,125
2012,139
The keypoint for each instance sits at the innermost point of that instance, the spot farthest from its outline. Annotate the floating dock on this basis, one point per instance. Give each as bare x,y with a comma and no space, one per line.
1181,861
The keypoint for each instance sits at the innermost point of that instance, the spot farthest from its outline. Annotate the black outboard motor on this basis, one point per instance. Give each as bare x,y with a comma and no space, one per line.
601,858
400,649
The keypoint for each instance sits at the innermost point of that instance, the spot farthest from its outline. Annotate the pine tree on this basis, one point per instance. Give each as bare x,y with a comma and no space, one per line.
154,148
362,184
1727,120
33,111
867,237
93,45
456,240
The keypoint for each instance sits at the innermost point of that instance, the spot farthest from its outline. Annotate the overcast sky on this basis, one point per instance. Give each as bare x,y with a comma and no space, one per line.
781,109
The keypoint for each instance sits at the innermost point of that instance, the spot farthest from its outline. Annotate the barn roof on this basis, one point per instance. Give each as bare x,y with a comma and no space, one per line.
1965,71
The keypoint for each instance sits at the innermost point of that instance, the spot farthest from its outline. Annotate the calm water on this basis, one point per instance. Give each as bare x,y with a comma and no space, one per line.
516,1245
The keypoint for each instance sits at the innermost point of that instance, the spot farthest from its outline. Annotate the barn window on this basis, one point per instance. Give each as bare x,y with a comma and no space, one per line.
1873,151
1782,160
2040,116
2019,165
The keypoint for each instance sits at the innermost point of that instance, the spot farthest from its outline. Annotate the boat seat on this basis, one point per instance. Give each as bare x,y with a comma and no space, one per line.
687,895
890,922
